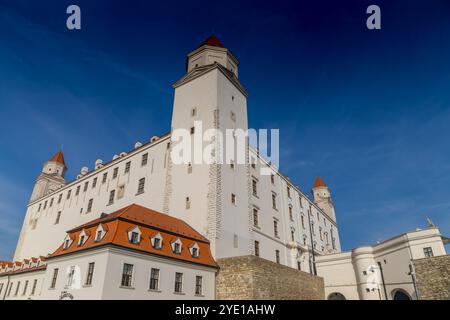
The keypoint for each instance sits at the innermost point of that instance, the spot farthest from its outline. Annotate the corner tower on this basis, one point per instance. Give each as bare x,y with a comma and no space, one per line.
211,197
322,197
51,177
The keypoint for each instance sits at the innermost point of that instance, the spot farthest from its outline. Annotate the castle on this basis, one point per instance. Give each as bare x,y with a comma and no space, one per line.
229,209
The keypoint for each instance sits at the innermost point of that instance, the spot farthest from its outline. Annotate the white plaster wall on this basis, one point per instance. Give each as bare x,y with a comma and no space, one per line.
47,235
22,277
141,277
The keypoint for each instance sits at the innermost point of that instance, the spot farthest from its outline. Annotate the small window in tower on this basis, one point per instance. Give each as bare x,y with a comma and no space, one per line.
144,159
141,186
233,116
192,130
105,176
58,217
233,198
77,191
232,98
111,196
115,172
188,203
94,183
189,170
86,184
127,167
193,112
68,194
89,208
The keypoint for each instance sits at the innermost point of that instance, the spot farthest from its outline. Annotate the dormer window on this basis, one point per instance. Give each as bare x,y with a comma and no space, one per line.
176,246
134,235
83,238
194,249
99,233
67,242
156,241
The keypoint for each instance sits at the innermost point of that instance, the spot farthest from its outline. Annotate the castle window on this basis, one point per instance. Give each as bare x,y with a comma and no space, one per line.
94,183
60,198
68,194
176,246
257,248
254,187
188,203
111,196
272,178
141,186
274,201
144,160
154,279
45,205
81,242
300,201
127,275
58,217
105,176
51,202
90,274
192,130
194,249
33,289
55,277
233,198
86,184
77,191
275,228
255,217
25,288
232,164
178,282
428,252
292,235
17,288
99,235
291,216
189,168
121,191
156,241
39,207
288,189
299,266
89,208
277,256
134,235
198,285
115,172
320,233
193,112
233,116
127,167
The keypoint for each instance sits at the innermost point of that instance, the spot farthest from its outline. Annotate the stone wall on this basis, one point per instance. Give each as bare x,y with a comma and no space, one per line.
254,278
433,278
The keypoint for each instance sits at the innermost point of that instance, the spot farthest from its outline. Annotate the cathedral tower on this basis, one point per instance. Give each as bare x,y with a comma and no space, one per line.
322,197
51,177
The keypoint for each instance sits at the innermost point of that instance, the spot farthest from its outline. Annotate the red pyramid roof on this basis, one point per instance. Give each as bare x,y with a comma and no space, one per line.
319,183
58,157
213,41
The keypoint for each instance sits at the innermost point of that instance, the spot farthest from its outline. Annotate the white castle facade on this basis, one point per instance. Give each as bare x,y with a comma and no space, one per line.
239,210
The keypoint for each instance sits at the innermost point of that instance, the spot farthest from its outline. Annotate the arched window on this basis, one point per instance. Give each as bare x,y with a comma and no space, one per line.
336,296
399,294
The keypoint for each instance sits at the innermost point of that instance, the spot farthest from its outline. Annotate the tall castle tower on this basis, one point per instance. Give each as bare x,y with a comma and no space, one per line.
322,197
51,177
210,96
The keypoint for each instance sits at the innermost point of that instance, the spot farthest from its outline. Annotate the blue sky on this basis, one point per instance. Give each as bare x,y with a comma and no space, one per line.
371,107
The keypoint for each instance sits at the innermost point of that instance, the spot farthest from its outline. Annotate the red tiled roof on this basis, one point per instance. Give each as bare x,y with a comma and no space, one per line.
150,222
319,183
212,41
58,157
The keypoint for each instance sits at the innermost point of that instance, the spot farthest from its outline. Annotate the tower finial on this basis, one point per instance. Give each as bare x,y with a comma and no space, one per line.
430,223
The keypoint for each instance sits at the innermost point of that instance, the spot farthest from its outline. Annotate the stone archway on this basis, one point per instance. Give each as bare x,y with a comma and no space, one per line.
336,296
